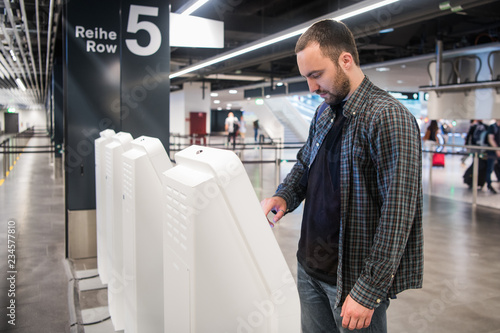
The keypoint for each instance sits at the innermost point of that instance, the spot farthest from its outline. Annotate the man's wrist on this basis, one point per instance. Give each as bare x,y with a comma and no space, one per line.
366,295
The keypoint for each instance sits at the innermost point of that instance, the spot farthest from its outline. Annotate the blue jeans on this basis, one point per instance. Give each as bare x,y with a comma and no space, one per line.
490,166
318,312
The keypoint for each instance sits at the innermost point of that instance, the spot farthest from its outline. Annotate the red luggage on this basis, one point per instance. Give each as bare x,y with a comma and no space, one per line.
438,160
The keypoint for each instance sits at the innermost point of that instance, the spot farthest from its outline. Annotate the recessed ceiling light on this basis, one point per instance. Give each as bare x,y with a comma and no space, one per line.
13,55
216,101
385,31
268,96
400,81
219,109
214,94
382,69
233,91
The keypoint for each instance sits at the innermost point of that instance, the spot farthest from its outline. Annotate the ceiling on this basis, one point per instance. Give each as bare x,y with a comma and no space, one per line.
415,26
28,30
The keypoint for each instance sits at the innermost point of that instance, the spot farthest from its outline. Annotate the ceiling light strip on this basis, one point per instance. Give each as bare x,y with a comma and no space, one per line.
193,7
4,68
49,45
39,42
20,84
339,15
24,66
28,40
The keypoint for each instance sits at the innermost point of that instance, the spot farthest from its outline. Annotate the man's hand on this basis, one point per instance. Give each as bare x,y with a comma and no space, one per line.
355,315
277,204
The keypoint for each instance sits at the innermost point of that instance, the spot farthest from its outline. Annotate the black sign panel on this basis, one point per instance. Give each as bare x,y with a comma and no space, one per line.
115,76
297,87
91,90
145,67
281,90
249,93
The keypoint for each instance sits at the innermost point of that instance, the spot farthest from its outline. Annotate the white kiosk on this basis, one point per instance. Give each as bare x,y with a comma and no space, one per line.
143,166
100,203
224,270
120,143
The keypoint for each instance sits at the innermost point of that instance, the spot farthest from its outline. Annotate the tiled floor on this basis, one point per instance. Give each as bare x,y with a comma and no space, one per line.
461,286
33,197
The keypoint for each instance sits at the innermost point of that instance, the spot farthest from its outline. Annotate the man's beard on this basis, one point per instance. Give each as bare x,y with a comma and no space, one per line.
340,92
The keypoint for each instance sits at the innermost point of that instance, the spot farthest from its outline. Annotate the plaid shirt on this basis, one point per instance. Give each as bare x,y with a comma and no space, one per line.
381,236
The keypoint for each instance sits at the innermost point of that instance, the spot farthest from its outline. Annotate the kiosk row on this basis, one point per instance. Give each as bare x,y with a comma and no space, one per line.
186,248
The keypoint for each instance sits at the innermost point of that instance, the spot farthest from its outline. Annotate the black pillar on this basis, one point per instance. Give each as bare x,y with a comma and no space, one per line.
115,74
145,69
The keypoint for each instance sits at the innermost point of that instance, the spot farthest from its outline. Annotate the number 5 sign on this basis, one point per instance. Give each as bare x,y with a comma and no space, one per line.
134,25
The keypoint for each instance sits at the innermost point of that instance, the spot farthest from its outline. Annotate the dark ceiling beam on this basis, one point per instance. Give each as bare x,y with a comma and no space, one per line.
226,69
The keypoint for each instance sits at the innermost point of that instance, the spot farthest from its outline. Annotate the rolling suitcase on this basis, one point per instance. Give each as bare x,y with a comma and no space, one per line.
438,160
481,176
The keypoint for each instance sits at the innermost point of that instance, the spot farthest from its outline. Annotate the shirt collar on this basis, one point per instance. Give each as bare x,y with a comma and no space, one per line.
352,105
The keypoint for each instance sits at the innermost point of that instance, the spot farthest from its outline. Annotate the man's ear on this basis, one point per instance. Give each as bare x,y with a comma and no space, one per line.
345,60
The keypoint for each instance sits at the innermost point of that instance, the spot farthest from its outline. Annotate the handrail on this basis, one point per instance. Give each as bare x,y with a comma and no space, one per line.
471,147
476,151
17,144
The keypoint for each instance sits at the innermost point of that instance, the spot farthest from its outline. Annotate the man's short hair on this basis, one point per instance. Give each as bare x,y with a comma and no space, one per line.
333,37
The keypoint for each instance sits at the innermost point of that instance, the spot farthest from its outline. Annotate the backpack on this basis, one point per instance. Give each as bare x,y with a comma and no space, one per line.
479,135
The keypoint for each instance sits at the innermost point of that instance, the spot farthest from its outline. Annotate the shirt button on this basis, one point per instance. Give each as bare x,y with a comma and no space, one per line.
331,120
378,301
317,144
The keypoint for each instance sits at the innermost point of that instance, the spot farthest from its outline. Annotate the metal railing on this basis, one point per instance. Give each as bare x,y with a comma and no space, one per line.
12,146
478,152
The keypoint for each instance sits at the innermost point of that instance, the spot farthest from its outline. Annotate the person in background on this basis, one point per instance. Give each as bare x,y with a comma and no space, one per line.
231,126
432,131
360,173
470,139
243,128
256,129
493,156
431,136
445,130
467,140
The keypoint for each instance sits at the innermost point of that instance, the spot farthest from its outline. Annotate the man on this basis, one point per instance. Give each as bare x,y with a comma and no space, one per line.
231,126
473,136
360,175
493,138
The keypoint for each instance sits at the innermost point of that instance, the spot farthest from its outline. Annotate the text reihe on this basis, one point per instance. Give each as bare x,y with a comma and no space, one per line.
97,39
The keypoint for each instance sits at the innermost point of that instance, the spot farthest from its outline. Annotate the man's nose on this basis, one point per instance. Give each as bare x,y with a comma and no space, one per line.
313,86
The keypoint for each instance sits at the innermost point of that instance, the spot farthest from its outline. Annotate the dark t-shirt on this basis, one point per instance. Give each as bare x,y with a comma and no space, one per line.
319,239
495,130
